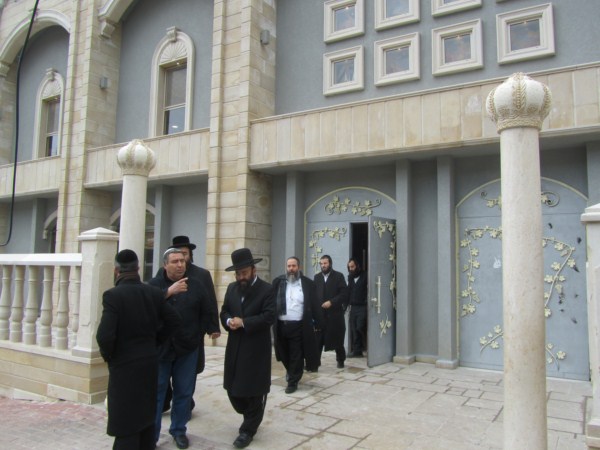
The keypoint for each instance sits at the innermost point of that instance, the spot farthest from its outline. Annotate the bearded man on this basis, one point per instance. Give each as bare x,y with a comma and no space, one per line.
248,312
299,316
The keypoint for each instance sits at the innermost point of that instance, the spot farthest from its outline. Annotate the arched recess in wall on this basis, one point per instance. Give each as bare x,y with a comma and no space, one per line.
14,42
479,279
328,221
115,225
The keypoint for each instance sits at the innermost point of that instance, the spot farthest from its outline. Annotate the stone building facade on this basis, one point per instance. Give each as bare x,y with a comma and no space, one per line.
278,126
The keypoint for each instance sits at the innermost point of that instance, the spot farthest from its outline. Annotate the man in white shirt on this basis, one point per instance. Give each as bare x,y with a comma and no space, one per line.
298,316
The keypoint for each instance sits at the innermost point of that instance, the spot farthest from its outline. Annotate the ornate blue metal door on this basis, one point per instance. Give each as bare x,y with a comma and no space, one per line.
480,280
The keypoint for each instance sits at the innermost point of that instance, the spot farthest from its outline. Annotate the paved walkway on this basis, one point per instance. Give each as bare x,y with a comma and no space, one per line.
387,407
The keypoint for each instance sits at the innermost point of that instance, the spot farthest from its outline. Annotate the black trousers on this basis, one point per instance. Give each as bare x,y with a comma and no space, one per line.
253,410
289,335
144,440
358,323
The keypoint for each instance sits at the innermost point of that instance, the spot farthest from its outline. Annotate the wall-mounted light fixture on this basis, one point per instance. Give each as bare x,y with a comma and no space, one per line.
104,82
265,37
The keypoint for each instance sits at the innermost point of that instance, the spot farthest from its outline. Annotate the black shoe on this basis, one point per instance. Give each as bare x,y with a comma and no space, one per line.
340,364
181,441
291,388
312,370
242,441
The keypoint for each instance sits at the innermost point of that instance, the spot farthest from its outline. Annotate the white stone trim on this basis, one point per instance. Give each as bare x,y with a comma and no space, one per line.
442,7
382,22
381,47
175,46
51,86
543,13
330,34
330,87
440,63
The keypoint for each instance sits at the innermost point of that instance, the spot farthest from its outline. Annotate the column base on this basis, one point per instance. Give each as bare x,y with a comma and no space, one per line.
592,433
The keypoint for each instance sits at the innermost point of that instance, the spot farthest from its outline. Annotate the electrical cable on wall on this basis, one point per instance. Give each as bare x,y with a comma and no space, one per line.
16,140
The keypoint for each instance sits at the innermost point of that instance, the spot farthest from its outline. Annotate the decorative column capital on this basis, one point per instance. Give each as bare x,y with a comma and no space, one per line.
519,102
136,158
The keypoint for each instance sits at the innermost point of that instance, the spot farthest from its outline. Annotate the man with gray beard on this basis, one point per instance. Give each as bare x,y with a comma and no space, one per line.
298,317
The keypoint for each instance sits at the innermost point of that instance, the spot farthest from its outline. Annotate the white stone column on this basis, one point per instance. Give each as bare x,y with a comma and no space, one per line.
591,218
519,106
136,161
98,250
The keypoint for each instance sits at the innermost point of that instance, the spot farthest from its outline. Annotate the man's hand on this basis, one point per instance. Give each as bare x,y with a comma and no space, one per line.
326,305
236,323
215,335
177,287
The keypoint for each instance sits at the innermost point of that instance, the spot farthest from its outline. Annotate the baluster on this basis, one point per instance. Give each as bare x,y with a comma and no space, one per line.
5,301
16,317
62,311
75,287
45,338
31,309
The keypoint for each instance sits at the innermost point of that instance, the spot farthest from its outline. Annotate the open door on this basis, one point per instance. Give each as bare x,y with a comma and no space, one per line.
382,291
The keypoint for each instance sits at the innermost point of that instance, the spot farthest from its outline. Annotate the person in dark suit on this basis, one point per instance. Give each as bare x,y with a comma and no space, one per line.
332,294
193,271
178,357
299,317
135,319
357,299
248,312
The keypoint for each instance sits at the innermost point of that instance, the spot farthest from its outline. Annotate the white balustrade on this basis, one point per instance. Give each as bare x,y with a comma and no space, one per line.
32,311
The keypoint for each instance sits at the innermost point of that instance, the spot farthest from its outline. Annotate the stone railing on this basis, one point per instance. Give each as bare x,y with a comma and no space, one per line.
50,305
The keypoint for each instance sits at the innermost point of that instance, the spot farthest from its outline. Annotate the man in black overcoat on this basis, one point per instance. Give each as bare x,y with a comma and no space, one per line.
358,289
183,244
178,357
135,319
299,317
332,293
248,312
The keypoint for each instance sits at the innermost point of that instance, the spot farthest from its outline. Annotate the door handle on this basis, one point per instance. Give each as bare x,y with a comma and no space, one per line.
377,300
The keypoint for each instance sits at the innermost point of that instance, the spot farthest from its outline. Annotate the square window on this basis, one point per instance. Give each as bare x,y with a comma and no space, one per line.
343,19
441,7
525,34
391,13
397,59
343,71
457,48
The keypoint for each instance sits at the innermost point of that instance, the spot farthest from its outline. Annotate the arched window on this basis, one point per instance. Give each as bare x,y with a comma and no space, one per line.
172,84
48,115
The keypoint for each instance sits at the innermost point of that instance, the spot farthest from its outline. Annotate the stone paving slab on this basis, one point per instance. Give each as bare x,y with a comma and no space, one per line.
392,406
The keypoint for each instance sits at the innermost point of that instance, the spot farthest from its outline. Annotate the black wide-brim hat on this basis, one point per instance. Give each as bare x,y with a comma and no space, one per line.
182,241
242,258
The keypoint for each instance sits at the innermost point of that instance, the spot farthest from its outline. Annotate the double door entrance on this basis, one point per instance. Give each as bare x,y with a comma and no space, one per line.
344,225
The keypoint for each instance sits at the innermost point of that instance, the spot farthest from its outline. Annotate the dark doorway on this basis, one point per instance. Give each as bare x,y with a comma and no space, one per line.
359,243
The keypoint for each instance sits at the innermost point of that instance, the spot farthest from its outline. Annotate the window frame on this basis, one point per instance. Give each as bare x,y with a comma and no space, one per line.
439,8
330,88
413,73
50,90
382,22
503,22
439,66
329,33
175,47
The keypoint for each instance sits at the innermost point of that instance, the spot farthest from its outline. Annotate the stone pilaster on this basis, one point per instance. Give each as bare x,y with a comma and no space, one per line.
243,89
518,107
89,121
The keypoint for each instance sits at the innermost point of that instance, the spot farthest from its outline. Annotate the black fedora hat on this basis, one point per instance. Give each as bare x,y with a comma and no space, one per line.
182,241
242,257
